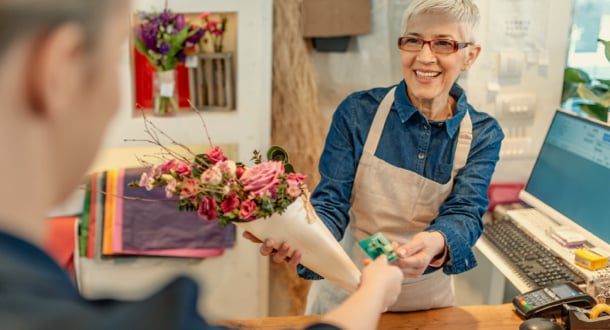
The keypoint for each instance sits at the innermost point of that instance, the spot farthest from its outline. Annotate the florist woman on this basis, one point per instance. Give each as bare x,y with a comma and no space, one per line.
412,161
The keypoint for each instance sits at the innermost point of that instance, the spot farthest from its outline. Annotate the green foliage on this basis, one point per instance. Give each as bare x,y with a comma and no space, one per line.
279,154
578,84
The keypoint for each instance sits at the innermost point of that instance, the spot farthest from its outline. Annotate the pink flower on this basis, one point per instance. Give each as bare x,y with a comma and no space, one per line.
190,189
211,176
168,166
227,167
207,208
293,190
182,169
247,210
215,155
145,180
263,178
212,25
204,15
239,171
170,187
298,177
229,203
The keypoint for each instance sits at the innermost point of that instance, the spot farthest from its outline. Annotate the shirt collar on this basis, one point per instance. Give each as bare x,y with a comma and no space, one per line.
406,109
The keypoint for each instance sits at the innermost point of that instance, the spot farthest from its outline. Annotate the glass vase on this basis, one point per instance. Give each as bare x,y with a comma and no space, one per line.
165,100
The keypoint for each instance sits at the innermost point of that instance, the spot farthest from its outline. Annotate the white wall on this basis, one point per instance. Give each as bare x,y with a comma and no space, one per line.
236,284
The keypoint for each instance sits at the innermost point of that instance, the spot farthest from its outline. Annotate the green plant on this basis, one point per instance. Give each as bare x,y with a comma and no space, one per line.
596,92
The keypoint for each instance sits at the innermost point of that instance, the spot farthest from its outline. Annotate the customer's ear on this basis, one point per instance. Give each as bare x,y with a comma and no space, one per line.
56,70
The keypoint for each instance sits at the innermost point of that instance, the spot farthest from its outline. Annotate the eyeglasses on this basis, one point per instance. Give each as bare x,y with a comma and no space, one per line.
440,46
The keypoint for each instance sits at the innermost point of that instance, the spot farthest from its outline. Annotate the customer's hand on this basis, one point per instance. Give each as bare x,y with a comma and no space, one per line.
415,256
279,255
383,278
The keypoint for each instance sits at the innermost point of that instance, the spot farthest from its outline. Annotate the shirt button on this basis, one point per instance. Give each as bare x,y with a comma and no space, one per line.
426,126
421,155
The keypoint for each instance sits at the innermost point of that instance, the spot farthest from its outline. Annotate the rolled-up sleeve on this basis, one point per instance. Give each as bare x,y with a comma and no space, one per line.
460,216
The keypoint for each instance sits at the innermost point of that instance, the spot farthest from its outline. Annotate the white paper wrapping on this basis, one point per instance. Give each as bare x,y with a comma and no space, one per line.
305,232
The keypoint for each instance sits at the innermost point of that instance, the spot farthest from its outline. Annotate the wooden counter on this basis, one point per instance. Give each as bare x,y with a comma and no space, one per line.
497,317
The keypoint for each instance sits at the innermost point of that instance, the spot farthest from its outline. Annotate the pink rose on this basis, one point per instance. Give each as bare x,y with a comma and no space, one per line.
247,210
298,177
239,171
215,155
229,203
182,169
211,176
207,209
168,166
263,178
190,189
228,167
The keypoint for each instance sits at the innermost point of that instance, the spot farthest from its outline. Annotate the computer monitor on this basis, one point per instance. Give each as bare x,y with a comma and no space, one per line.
570,180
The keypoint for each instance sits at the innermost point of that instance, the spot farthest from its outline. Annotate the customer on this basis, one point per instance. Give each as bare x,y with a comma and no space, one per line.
58,91
412,161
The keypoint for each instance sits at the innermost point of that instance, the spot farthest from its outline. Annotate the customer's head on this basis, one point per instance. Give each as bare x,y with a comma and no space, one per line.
437,44
58,90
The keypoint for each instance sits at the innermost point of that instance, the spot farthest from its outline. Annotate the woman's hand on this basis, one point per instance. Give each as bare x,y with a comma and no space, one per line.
282,254
415,256
381,277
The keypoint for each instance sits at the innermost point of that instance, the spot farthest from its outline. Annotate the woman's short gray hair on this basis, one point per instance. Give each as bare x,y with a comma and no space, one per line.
462,11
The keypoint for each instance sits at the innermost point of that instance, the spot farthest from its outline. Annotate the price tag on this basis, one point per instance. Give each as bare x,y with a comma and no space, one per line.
167,89
191,61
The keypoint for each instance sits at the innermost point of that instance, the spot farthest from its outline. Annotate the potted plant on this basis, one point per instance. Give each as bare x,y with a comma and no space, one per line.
591,95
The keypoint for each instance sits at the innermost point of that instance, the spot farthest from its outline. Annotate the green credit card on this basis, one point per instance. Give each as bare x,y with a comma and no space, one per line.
376,245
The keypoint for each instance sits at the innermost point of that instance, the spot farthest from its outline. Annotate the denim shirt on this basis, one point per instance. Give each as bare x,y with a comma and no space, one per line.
406,133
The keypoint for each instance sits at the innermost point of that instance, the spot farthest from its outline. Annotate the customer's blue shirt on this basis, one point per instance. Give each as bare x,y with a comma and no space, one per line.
406,133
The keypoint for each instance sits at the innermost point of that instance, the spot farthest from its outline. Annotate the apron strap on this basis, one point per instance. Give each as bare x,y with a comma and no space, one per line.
378,122
463,144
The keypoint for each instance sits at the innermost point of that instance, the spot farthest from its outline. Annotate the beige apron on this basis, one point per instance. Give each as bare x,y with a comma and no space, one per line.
399,203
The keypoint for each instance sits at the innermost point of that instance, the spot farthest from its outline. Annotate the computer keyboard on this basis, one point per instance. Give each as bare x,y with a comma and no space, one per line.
534,264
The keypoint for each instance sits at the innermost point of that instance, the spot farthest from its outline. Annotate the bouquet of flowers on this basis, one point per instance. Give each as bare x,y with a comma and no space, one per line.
165,39
215,28
268,199
221,189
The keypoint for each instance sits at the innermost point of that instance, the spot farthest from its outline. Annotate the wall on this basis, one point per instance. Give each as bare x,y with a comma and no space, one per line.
535,68
234,285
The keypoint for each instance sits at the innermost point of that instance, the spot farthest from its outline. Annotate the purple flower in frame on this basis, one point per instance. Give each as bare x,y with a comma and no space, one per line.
164,48
166,17
194,39
179,23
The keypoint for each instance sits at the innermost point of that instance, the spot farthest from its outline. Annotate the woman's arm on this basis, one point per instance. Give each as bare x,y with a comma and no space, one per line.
460,216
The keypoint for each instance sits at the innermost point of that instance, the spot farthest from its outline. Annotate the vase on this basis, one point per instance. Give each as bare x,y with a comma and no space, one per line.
304,231
165,101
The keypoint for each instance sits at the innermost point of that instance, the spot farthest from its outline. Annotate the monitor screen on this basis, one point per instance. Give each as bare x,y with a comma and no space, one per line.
571,176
